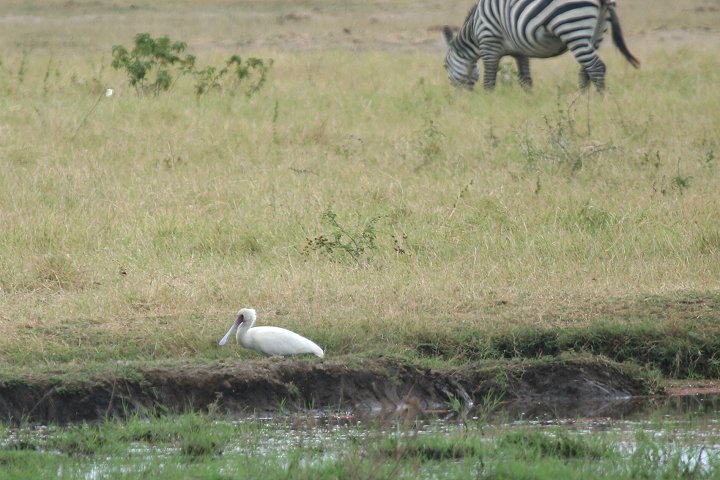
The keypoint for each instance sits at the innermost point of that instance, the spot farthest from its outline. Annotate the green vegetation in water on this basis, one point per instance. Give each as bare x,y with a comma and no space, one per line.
203,446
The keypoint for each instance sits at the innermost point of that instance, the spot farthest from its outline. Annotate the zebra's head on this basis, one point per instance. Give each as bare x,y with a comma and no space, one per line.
462,70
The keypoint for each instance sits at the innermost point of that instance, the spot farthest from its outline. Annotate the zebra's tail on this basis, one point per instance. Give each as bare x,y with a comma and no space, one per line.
618,36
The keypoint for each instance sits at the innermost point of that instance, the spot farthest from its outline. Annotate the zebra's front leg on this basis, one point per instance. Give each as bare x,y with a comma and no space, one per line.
523,64
490,69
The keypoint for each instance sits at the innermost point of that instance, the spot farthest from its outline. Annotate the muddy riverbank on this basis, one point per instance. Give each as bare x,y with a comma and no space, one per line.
267,386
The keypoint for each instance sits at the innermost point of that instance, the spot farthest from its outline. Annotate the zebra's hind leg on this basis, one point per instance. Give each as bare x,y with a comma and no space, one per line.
590,62
597,74
523,64
584,79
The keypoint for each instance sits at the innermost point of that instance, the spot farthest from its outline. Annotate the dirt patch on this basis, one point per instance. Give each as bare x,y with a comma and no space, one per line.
700,387
247,388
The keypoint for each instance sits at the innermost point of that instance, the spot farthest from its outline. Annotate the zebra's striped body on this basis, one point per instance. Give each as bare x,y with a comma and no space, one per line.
527,29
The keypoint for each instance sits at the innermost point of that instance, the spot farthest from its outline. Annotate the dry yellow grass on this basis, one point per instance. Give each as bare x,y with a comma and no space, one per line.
139,228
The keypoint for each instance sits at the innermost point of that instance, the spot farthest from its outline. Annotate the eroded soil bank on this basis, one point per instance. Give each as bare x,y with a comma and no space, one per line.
266,386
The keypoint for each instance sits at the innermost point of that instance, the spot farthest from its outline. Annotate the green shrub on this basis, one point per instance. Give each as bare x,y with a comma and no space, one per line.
154,64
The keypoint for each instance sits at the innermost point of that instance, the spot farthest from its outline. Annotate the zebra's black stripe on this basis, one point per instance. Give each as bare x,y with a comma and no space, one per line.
527,29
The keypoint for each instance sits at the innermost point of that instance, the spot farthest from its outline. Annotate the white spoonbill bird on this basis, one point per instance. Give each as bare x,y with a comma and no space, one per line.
269,340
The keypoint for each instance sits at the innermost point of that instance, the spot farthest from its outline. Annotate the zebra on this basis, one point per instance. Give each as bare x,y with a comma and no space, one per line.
527,29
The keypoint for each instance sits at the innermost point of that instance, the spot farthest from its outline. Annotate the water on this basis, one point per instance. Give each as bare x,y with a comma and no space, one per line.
691,421
627,408
683,429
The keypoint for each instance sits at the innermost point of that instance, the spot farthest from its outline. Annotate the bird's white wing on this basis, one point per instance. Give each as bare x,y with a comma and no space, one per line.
279,341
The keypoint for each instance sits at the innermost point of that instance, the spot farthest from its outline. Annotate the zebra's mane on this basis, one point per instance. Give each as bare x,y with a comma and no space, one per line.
471,13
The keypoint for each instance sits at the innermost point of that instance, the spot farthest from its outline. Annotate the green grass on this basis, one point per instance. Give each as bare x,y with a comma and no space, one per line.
652,342
134,227
204,447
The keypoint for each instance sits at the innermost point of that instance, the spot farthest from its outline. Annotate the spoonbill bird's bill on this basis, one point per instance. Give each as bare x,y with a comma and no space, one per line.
269,340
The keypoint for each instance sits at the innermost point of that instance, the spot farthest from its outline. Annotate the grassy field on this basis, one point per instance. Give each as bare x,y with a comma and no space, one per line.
133,227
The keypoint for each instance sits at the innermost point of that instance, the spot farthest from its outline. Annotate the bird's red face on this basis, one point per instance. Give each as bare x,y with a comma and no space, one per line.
240,319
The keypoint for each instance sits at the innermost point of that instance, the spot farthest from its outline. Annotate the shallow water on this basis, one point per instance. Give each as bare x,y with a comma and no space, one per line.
690,424
563,411
685,430
699,405
695,415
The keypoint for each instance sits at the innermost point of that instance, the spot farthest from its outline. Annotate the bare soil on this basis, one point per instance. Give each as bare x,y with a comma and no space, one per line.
223,26
697,387
267,386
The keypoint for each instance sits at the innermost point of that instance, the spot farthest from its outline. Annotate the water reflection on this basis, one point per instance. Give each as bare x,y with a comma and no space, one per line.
701,411
612,408
680,430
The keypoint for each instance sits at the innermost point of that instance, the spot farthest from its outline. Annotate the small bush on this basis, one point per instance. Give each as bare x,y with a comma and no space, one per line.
342,241
252,70
155,64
